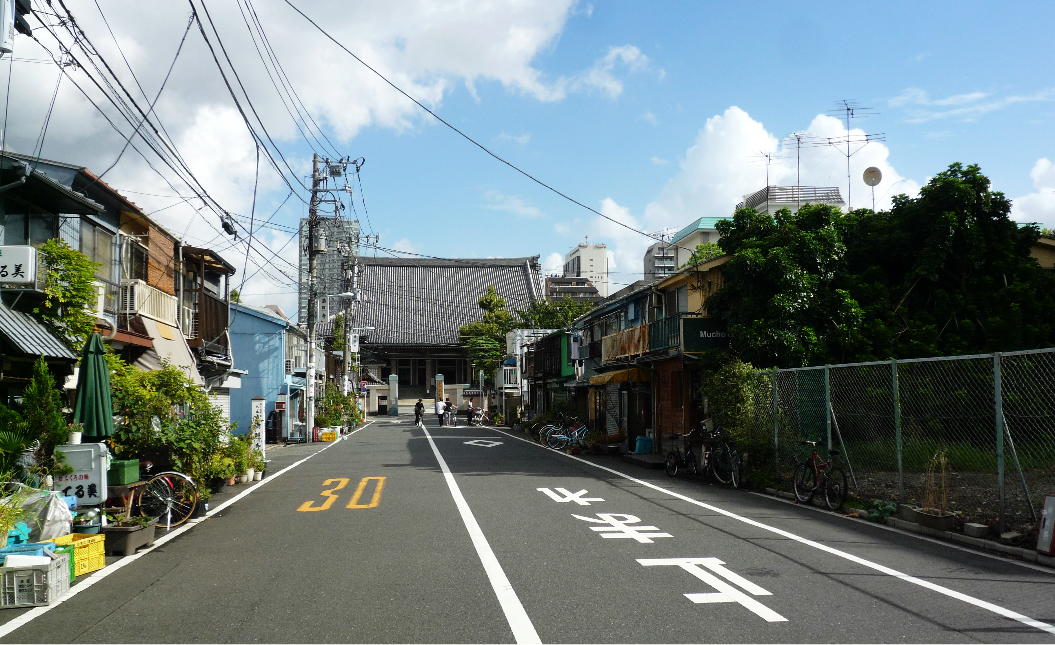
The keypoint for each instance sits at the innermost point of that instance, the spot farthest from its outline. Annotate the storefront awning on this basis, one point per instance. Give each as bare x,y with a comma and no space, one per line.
30,336
629,375
168,344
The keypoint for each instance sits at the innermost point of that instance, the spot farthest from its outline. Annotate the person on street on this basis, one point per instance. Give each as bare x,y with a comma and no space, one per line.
440,409
448,410
419,412
471,411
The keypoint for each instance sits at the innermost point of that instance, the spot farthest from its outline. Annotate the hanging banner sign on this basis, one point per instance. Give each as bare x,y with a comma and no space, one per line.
18,265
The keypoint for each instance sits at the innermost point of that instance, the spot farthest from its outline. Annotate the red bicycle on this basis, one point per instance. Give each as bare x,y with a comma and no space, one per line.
815,474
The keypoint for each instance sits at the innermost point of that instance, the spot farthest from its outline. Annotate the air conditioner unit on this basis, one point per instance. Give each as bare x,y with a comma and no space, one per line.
128,299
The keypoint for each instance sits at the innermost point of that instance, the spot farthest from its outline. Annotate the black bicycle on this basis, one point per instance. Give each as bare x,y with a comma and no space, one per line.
719,459
815,474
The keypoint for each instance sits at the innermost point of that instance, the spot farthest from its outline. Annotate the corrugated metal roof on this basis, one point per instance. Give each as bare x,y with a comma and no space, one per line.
426,301
30,336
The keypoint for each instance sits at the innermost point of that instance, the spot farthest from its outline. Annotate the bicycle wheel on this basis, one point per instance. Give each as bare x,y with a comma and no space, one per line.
171,497
735,467
835,488
558,439
804,482
691,464
722,468
672,464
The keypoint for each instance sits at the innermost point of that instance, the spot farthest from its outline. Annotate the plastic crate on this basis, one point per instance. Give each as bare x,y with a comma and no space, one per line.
34,586
90,552
70,552
35,548
122,471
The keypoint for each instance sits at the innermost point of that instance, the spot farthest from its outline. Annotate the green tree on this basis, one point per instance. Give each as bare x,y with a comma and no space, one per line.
704,253
336,340
69,293
42,411
780,298
947,273
485,339
235,296
552,314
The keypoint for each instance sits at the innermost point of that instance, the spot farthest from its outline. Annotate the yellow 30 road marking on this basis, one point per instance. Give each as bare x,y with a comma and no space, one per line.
359,493
329,494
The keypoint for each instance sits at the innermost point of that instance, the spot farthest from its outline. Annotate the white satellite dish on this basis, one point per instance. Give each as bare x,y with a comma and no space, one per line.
873,176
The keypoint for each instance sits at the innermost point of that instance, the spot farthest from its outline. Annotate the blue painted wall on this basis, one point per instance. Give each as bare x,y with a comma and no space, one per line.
258,344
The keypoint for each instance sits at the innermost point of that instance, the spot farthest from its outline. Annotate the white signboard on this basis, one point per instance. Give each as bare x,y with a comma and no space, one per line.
88,481
18,264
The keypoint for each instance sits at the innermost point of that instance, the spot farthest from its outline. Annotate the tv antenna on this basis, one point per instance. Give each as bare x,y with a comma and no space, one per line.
768,157
850,110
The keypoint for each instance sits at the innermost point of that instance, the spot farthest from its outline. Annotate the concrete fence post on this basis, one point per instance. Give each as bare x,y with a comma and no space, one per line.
998,399
897,432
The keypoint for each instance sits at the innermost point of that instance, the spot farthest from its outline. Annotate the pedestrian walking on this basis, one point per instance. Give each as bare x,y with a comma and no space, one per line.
471,411
448,410
419,413
440,409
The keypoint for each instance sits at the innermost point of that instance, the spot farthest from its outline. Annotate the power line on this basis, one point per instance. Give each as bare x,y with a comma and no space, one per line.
465,136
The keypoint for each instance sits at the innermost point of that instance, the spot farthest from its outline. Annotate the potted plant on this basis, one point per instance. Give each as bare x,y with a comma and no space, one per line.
256,461
934,512
124,536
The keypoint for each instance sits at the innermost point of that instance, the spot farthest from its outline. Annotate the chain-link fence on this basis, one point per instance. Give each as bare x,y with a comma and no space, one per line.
992,416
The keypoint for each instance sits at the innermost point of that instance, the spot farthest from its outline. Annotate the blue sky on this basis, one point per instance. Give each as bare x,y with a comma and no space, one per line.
653,113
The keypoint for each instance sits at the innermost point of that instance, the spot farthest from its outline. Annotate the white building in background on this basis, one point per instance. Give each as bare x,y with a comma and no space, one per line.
660,260
589,261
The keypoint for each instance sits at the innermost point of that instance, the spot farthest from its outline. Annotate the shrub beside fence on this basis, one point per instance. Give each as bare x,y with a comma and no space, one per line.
993,414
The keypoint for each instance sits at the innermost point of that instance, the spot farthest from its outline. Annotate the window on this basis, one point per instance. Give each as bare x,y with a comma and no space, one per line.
683,299
134,265
98,245
22,224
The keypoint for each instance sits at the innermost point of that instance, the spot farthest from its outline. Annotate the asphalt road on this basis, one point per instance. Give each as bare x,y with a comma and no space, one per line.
442,535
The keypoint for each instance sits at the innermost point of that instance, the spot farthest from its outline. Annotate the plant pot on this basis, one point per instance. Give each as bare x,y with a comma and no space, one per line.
231,481
242,479
258,476
75,438
200,510
249,474
936,522
124,540
217,484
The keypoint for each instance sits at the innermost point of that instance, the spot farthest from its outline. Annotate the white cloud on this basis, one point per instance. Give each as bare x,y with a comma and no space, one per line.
522,139
553,264
497,201
920,108
1038,206
659,161
721,167
405,245
427,47
651,118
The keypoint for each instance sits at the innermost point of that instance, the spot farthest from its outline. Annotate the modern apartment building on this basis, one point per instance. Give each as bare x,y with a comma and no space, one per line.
589,261
329,266
660,260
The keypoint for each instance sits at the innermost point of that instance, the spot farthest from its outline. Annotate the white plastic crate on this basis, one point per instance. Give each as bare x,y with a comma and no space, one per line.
42,584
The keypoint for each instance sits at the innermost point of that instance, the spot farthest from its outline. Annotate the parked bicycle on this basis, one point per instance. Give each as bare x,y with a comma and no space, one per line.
561,438
815,474
718,458
171,497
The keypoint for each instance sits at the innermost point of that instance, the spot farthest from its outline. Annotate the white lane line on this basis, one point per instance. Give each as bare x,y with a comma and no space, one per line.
516,616
971,600
95,577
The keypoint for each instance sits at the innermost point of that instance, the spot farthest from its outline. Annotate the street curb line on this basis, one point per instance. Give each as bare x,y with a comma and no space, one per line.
1040,566
875,566
36,612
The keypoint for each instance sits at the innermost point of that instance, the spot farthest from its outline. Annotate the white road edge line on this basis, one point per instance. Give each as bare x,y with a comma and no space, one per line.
95,577
516,616
971,600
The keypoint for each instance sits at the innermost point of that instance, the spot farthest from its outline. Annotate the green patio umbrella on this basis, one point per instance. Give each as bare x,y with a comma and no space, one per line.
94,404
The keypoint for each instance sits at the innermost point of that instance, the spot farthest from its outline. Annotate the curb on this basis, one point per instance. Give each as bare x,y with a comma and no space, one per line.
1028,555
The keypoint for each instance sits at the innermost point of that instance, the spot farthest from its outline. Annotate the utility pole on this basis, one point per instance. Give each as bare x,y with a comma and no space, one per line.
350,278
313,222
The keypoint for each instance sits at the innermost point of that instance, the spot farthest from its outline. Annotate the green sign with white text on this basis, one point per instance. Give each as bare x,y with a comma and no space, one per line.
701,334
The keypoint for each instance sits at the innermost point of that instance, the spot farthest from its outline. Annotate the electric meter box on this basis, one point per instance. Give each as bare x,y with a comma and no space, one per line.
1046,536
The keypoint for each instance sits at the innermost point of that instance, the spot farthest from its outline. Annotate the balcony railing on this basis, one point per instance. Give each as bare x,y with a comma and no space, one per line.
139,298
664,333
508,379
622,344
